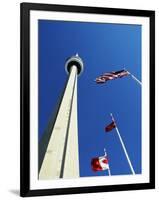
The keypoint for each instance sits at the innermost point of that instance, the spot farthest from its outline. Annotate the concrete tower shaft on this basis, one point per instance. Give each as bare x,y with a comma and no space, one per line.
61,159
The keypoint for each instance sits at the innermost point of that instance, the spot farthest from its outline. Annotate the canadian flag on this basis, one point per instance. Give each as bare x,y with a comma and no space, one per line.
99,163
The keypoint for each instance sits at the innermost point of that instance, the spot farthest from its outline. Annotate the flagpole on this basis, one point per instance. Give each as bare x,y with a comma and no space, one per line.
109,173
105,154
124,148
137,80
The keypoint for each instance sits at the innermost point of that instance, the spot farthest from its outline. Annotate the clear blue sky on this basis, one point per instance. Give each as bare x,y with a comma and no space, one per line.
103,48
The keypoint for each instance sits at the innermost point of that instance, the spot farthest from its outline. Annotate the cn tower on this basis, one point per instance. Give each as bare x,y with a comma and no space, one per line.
58,149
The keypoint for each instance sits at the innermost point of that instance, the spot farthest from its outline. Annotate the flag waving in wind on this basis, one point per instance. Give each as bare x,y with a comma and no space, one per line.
111,126
99,163
111,75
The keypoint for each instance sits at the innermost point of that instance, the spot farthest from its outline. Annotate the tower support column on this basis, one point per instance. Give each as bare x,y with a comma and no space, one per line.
58,149
61,157
71,166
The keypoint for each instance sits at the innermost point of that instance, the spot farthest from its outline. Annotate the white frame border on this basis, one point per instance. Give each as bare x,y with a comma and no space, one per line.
86,181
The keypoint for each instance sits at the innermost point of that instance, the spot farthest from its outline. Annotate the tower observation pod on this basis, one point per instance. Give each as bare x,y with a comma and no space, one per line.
58,148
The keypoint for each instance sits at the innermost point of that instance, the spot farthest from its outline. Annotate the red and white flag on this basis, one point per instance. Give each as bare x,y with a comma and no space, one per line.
111,75
99,163
110,127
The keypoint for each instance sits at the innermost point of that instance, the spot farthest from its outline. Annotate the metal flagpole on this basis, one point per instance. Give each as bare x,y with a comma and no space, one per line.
123,146
105,154
137,80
